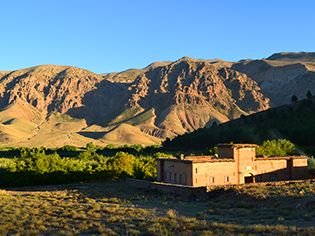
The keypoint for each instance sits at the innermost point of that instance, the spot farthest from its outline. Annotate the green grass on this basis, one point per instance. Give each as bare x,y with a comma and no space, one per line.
111,208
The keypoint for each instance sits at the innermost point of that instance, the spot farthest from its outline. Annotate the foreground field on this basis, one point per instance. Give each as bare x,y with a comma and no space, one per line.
111,208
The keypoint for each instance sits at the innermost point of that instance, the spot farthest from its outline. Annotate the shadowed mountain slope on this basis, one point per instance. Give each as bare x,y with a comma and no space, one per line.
294,122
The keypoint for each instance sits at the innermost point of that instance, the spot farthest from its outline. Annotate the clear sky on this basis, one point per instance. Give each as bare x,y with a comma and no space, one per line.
114,35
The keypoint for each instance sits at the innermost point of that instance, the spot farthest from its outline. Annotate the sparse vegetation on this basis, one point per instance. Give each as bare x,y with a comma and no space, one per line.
112,208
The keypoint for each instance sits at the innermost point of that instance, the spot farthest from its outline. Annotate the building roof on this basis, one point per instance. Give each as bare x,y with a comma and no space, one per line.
262,158
237,145
198,159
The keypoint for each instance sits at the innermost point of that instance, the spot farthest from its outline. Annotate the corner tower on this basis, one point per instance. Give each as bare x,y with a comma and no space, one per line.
244,156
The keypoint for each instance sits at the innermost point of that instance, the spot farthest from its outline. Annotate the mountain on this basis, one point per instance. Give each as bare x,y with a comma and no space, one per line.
281,75
294,122
293,56
51,105
189,94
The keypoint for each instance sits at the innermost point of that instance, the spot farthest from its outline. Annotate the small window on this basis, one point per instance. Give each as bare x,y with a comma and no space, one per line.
196,170
196,181
175,178
212,179
226,179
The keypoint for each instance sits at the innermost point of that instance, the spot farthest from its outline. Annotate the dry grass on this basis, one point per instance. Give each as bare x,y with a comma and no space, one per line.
126,133
111,208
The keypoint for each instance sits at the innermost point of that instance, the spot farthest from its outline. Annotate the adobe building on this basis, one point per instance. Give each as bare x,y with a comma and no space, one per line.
234,164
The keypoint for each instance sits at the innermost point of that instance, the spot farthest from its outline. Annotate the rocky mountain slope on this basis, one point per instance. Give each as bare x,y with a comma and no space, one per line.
189,94
282,75
61,105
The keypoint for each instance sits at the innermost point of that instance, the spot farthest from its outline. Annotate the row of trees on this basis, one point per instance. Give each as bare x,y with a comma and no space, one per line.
40,166
35,166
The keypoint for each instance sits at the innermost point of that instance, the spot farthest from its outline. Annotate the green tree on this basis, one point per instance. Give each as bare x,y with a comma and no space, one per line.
122,164
276,147
144,168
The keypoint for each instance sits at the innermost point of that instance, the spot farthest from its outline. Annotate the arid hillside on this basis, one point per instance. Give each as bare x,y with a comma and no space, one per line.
52,105
282,75
189,94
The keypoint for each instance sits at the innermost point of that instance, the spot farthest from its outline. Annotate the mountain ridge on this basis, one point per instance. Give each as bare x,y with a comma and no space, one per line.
159,101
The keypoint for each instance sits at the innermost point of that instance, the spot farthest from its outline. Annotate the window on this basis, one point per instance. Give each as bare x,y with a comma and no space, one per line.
175,178
212,179
196,170
170,176
180,179
226,179
196,181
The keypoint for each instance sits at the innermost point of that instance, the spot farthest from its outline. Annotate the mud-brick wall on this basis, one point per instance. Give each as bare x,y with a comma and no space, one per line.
214,173
300,169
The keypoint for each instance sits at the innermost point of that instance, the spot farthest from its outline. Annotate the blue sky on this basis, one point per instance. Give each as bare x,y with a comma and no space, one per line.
114,35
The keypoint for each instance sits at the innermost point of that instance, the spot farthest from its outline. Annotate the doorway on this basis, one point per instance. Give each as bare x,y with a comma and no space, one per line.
249,179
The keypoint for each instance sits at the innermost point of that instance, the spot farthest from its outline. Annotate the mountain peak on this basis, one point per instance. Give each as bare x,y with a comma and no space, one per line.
293,56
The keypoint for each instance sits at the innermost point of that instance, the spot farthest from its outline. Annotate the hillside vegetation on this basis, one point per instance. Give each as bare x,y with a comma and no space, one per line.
294,122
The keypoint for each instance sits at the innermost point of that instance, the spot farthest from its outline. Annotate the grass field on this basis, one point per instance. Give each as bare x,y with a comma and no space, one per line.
111,208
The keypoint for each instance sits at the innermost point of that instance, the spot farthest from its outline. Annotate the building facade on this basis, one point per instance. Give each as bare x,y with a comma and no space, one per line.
235,164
